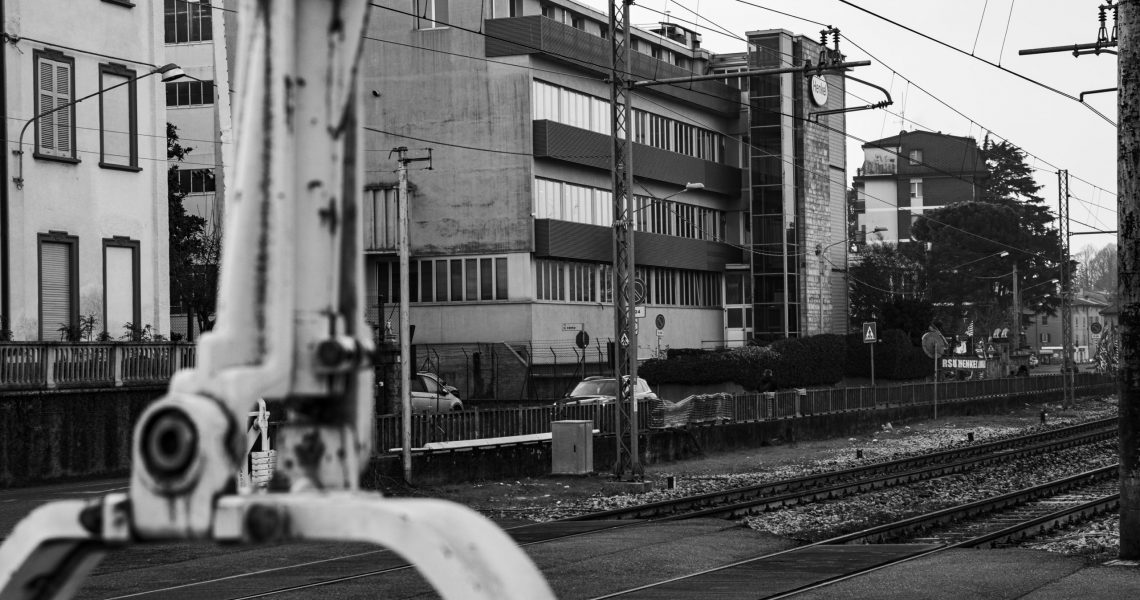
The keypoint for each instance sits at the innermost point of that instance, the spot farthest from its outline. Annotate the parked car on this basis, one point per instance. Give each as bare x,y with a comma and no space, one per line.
430,393
602,390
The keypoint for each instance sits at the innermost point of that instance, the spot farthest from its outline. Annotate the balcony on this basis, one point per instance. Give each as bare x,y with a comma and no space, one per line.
539,35
577,241
877,167
579,146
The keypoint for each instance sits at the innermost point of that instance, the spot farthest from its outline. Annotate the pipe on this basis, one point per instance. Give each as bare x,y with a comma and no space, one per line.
5,236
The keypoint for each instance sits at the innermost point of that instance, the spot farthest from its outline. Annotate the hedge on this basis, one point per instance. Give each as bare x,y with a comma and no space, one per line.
796,362
895,357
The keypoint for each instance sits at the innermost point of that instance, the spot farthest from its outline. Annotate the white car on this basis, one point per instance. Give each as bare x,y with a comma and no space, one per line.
602,390
432,394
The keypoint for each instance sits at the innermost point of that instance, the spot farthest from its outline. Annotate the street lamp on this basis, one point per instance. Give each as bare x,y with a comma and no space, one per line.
819,250
169,72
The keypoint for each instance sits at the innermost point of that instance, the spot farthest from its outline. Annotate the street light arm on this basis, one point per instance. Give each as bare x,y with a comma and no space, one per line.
175,73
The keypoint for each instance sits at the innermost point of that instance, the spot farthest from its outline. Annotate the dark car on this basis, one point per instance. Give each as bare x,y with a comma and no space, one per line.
602,390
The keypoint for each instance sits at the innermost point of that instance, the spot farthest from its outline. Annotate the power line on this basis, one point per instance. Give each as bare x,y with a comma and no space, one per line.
994,65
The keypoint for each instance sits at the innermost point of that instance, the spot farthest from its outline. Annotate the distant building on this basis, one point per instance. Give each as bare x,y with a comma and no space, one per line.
83,211
1092,315
512,229
199,36
904,175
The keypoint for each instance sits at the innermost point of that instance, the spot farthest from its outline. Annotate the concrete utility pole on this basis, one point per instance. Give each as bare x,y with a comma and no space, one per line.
405,317
1128,287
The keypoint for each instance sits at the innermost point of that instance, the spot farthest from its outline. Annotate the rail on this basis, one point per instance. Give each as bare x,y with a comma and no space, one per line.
475,423
54,365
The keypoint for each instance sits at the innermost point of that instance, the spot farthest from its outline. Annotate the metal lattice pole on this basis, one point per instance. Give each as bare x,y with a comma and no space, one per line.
626,462
1066,290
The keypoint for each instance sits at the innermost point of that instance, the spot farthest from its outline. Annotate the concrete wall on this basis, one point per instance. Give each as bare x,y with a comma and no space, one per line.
52,435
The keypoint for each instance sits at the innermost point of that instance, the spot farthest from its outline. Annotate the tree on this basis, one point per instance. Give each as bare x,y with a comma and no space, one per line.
1010,216
1096,269
888,285
194,248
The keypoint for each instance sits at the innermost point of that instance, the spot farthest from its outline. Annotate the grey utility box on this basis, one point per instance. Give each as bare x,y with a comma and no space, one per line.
571,447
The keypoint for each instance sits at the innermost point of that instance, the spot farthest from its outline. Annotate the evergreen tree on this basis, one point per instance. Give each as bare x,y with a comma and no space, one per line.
194,251
1010,216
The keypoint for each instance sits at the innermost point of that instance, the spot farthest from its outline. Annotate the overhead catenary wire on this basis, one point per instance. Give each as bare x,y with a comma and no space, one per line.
1053,168
990,63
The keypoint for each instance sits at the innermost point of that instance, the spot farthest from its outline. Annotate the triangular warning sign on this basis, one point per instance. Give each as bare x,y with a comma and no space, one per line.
869,335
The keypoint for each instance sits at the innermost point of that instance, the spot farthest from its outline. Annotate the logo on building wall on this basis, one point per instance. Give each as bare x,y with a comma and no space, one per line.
818,90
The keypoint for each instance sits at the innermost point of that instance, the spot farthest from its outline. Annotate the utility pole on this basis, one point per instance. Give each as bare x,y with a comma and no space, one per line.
1066,291
405,329
627,463
1016,313
1128,265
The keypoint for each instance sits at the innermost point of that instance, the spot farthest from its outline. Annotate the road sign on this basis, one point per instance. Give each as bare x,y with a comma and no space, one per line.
639,312
660,322
1094,327
638,291
582,339
624,341
870,332
933,344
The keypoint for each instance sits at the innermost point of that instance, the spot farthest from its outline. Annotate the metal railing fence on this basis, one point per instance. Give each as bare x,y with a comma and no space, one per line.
475,424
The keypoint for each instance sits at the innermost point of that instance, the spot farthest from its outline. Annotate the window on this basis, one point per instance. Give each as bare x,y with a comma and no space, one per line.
55,82
916,189
121,300
477,279
118,118
1044,319
431,14
188,21
195,181
1044,338
59,284
915,157
189,93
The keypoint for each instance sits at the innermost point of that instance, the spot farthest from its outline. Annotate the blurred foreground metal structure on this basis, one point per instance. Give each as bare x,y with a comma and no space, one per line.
291,329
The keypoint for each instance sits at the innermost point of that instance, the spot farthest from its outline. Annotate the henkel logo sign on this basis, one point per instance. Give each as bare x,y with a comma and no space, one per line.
963,363
818,90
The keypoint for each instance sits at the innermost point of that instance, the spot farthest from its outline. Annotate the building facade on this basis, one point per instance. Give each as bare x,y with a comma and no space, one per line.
914,171
200,37
83,213
1091,319
511,229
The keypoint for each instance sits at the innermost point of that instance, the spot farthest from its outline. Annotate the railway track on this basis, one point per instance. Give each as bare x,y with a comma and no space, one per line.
742,501
1000,520
728,503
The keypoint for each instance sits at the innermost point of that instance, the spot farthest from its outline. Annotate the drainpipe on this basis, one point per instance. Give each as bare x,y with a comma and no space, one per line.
5,237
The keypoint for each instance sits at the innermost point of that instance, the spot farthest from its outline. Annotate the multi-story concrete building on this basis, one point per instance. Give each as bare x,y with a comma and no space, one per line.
200,37
511,229
83,206
908,173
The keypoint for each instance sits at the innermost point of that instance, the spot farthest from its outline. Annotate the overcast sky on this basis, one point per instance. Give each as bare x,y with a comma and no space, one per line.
1058,131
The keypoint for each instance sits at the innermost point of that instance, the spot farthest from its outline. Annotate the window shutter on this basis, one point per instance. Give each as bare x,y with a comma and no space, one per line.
54,89
55,290
46,123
